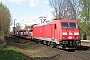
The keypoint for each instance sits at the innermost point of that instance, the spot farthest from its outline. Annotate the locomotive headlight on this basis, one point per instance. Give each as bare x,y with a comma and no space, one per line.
76,33
70,33
64,37
77,37
64,33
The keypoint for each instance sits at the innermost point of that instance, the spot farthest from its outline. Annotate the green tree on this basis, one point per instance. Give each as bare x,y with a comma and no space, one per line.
27,26
84,19
5,18
30,27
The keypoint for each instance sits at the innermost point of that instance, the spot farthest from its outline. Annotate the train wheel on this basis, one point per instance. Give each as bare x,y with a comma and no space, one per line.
34,40
59,46
37,41
44,42
53,45
48,43
41,41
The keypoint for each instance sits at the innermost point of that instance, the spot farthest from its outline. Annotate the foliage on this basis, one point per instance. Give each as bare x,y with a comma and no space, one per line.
5,18
84,19
27,26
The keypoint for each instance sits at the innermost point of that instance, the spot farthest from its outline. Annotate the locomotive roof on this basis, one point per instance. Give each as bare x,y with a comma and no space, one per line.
65,20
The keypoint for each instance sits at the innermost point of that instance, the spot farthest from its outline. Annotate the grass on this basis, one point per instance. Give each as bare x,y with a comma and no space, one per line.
11,53
19,49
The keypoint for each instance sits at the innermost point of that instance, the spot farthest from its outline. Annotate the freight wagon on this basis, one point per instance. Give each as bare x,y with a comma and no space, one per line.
24,33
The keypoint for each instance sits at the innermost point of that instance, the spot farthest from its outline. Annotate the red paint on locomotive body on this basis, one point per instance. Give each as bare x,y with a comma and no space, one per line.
43,31
59,32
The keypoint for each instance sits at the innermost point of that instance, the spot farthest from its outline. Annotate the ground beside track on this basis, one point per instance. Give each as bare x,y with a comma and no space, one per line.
36,51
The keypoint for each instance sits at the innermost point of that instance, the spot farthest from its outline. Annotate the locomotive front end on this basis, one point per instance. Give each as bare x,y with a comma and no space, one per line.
70,34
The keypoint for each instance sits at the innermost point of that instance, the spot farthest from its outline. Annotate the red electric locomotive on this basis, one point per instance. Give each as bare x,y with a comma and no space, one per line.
63,34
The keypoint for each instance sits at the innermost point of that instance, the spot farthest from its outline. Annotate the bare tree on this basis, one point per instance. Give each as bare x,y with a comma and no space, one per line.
65,9
54,5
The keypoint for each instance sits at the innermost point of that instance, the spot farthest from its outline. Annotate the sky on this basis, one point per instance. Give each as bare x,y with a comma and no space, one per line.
28,11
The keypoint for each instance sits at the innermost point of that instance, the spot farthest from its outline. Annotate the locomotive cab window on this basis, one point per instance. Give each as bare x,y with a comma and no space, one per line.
64,24
72,25
68,25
